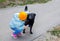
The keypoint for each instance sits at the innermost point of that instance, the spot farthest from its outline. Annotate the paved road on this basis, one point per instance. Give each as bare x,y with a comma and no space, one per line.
48,15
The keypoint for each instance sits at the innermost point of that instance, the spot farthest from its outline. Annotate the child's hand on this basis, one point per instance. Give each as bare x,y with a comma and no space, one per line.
25,27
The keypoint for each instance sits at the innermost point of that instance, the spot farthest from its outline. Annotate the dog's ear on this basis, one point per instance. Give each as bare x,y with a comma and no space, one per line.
34,14
26,8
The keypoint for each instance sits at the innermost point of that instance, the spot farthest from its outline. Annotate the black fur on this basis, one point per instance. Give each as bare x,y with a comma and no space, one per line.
30,21
26,8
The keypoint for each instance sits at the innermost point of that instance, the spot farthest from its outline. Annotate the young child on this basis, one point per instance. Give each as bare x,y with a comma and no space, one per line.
17,23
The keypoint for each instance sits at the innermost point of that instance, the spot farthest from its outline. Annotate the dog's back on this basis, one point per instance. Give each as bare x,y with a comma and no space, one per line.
30,19
31,16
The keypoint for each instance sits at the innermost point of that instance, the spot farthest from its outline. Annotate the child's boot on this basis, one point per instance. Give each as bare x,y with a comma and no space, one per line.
20,34
14,36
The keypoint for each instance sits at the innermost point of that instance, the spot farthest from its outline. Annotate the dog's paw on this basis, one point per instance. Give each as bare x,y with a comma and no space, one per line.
23,31
31,32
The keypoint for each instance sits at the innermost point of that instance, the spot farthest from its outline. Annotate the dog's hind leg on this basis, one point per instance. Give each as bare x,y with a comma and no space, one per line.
31,30
31,25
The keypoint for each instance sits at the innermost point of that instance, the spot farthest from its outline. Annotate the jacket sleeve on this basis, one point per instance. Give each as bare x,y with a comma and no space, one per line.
13,21
16,23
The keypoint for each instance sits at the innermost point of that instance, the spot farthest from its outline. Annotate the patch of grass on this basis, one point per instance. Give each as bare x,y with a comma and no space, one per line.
21,4
55,31
2,1
28,2
3,7
43,1
34,1
11,4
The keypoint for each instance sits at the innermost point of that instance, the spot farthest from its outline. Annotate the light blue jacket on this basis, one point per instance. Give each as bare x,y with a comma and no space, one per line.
16,23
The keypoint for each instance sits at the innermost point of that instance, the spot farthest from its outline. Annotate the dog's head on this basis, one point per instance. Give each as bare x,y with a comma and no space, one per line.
31,16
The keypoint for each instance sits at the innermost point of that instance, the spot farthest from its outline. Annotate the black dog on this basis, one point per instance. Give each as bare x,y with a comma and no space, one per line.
30,21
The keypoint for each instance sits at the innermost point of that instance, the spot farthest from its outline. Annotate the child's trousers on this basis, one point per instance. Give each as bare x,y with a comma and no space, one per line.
17,31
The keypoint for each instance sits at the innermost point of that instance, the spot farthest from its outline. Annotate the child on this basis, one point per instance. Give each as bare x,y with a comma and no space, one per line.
17,23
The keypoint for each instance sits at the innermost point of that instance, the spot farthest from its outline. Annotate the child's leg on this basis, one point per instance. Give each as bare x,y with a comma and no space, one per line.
20,34
20,31
15,33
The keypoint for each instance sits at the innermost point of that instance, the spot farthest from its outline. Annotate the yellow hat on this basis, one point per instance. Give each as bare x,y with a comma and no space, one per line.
22,15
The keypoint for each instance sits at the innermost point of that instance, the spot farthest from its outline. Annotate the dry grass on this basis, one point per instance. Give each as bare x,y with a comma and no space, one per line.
52,35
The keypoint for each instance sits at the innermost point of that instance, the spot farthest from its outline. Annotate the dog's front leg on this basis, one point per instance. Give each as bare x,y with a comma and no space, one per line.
25,27
24,31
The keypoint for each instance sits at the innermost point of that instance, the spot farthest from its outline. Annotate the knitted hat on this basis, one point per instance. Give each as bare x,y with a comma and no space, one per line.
22,15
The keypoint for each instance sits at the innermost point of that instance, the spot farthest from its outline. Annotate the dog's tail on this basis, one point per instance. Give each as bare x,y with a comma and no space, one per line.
26,8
